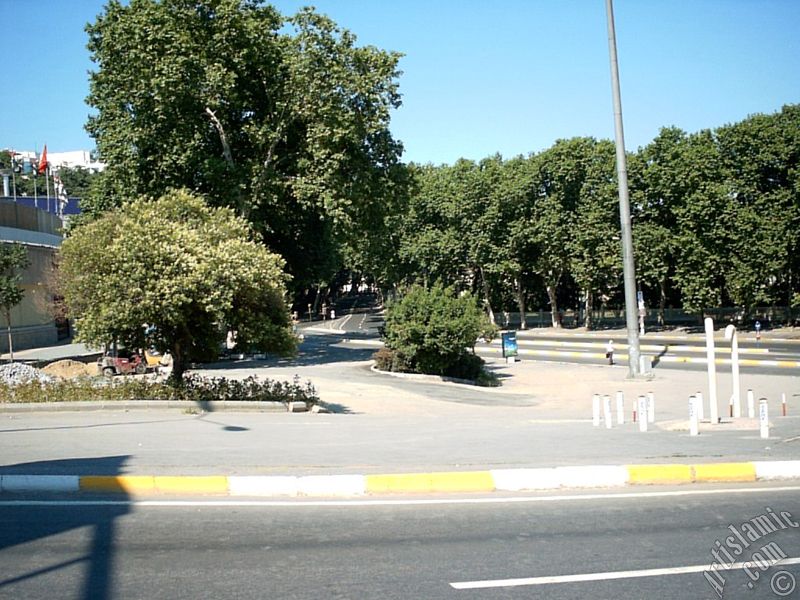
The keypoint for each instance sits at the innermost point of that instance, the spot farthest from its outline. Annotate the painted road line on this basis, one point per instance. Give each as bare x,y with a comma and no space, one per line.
357,502
607,576
645,347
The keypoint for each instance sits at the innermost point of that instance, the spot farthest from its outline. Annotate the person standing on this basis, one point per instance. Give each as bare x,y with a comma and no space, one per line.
610,352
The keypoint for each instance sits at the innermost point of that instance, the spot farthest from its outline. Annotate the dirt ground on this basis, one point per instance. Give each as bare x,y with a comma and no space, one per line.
70,369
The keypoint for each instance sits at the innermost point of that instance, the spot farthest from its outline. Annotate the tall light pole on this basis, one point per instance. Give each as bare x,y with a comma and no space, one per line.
628,271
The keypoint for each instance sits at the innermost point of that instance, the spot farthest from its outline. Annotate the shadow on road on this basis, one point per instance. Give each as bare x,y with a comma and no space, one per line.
25,524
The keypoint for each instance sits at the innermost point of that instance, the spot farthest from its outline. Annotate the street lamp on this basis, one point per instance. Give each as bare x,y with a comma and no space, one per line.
628,271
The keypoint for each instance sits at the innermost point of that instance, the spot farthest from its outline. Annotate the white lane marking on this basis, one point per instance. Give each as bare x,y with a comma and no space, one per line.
609,575
395,502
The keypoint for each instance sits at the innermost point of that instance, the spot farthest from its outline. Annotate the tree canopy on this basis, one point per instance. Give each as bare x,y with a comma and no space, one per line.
283,120
177,275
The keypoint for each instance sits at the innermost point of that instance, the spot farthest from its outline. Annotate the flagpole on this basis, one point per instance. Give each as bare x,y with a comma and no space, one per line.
47,177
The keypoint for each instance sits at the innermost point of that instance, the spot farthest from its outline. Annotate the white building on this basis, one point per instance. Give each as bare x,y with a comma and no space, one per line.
74,158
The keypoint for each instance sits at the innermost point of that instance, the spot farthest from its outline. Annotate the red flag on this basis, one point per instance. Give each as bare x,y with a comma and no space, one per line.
43,161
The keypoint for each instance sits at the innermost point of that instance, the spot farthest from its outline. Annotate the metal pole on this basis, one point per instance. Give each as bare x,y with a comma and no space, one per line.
628,271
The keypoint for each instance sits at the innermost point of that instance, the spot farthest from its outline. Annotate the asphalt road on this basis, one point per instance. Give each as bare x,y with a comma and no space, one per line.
401,550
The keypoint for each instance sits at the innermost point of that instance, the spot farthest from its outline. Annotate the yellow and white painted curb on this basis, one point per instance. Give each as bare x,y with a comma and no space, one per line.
494,480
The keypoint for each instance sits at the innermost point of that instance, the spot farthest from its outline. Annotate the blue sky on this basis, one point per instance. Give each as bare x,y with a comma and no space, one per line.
479,76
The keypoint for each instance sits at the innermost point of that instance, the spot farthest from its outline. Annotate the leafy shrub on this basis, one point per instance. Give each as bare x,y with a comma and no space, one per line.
392,360
195,389
432,330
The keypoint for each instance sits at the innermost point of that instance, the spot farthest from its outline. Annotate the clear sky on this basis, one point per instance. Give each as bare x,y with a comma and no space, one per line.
479,76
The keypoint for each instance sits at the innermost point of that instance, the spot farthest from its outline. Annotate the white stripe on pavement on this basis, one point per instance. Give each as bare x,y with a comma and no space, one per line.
608,575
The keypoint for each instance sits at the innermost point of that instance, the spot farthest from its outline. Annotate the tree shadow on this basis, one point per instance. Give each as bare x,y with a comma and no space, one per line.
25,523
657,359
317,349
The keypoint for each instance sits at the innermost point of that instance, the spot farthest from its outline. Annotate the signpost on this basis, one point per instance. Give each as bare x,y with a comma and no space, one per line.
509,345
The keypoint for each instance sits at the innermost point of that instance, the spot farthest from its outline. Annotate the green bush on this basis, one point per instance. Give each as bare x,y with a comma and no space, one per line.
432,331
195,389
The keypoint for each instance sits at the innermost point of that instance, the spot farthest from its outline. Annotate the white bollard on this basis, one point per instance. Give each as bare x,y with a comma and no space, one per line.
712,371
763,417
651,407
596,410
694,421
730,334
607,412
642,410
783,404
751,404
700,409
620,408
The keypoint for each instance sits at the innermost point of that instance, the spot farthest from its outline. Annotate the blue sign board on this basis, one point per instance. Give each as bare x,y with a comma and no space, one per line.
509,344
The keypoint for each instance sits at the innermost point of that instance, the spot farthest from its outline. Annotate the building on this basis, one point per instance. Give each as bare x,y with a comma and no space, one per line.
33,321
74,159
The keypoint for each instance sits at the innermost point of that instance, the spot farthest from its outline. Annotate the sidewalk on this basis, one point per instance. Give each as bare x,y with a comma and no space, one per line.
390,435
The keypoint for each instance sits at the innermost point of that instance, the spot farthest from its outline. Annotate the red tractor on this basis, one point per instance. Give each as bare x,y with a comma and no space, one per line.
119,361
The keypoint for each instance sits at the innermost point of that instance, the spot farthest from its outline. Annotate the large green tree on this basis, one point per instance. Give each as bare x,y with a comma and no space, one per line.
176,274
284,120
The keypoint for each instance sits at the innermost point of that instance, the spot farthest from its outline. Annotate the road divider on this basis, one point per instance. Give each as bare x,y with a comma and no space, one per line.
493,480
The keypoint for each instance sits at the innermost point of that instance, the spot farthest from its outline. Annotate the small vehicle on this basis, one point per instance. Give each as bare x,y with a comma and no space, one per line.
121,362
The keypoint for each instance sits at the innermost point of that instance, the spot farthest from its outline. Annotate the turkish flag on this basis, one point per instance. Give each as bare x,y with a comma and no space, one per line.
43,161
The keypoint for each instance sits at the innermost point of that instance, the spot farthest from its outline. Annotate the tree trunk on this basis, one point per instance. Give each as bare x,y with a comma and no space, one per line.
662,302
10,344
178,365
588,298
551,295
520,302
488,302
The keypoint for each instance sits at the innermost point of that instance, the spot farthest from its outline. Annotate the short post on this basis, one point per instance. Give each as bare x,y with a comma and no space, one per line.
633,403
620,408
751,404
783,404
700,409
651,407
763,414
694,421
642,410
596,410
730,406
712,371
607,412
730,334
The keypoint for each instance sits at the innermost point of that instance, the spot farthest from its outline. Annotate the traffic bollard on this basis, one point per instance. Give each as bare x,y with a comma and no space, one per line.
596,410
607,412
751,404
642,410
700,408
620,408
783,404
763,414
651,407
633,403
694,422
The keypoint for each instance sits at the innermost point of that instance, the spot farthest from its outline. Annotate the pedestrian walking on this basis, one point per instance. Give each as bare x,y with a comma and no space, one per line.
610,352
333,314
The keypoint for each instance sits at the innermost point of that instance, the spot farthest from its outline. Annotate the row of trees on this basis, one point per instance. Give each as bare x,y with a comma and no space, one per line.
285,122
716,221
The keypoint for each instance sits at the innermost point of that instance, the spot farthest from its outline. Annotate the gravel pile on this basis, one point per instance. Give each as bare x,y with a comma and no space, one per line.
16,373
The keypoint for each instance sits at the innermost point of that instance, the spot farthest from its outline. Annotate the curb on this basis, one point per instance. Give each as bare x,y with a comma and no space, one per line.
495,480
